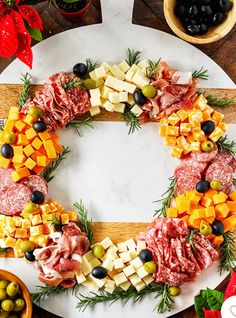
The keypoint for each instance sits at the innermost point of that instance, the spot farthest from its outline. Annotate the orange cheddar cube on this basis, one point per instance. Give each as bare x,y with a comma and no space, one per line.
54,137
45,208
42,161
35,155
30,133
182,114
199,135
49,147
195,116
164,121
19,158
210,212
28,150
65,218
216,134
20,174
162,131
18,244
4,162
36,219
221,197
73,216
195,146
18,165
26,223
21,233
29,120
199,213
181,141
19,125
30,164
9,230
47,227
176,152
232,196
172,131
14,116
22,140
172,213
44,135
183,206
173,119
36,230
170,141
206,115
36,143
217,116
18,150
185,127
222,210
210,193
206,202
10,241
38,169
231,206
9,125
40,240
47,218
223,126
193,222
58,147
200,102
229,223
10,221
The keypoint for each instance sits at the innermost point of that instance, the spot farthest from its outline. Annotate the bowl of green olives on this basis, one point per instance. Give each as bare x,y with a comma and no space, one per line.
15,300
200,21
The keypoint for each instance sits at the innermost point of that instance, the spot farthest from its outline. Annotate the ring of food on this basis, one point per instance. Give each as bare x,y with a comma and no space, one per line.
195,222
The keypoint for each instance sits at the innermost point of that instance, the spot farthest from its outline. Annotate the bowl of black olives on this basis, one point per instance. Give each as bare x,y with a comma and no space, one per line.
200,21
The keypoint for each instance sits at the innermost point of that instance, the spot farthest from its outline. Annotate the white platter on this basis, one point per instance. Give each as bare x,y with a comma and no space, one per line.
117,176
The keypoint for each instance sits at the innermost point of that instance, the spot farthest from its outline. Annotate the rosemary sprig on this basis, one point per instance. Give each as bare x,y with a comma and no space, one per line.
166,198
4,250
47,174
225,143
234,182
131,120
72,82
91,65
202,74
228,250
85,223
166,302
133,57
46,291
76,125
25,93
219,102
152,68
56,223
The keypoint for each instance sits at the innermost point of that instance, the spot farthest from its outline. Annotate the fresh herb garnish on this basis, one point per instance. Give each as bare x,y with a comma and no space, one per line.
91,65
85,223
228,250
131,120
166,198
152,68
56,223
225,143
161,290
133,57
4,250
234,182
209,299
47,174
219,102
76,125
202,74
25,93
46,291
72,82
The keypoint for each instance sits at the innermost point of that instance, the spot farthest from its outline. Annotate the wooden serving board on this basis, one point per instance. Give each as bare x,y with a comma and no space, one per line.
117,231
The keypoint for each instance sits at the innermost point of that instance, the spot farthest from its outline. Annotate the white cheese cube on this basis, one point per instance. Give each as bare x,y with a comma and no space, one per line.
143,63
110,283
107,242
122,247
144,71
86,266
119,108
129,75
90,285
95,93
125,286
80,278
114,97
111,254
105,90
136,263
99,282
140,286
112,273
95,101
136,110
129,270
131,99
109,106
94,111
124,66
128,87
141,272
93,76
110,81
89,255
134,279
119,85
131,244
120,278
100,72
116,71
141,245
133,254
118,263
108,264
106,66
125,256
110,290
123,97
113,248
140,79
148,279
135,68
95,262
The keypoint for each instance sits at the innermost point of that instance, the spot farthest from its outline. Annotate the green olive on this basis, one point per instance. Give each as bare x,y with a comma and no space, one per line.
30,207
4,314
215,184
98,250
89,83
3,294
150,267
27,246
149,91
7,305
35,112
9,137
175,291
3,284
207,146
19,304
12,289
205,229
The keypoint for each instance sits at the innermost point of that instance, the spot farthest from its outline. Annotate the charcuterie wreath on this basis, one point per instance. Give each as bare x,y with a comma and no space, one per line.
194,224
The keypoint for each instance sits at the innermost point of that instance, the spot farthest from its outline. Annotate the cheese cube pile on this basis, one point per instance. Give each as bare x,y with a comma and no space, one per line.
32,151
182,129
35,227
123,265
115,86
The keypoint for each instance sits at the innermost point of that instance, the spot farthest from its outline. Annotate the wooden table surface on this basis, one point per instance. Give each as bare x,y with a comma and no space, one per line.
147,13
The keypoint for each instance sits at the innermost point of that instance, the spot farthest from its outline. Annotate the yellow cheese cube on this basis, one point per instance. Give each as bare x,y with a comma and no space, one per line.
30,164
29,120
172,213
28,150
4,162
14,109
200,102
223,126
2,219
36,219
181,141
9,125
20,174
18,150
42,161
182,114
36,230
195,146
172,131
195,116
170,141
19,158
73,216
210,193
173,119
186,148
22,140
10,221
221,197
216,134
199,136
18,244
164,121
206,202
222,210
183,206
30,133
36,143
206,115
19,125
40,240
176,152
26,223
185,127
21,233
199,213
44,135
217,116
17,221
14,116
210,212
45,208
10,241
50,149
64,218
9,230
231,205
162,131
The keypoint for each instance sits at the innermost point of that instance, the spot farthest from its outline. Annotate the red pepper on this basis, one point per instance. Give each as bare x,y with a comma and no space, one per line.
212,313
231,288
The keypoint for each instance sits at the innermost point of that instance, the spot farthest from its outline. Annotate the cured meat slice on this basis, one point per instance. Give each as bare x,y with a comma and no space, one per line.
5,178
35,182
224,156
222,172
17,196
4,206
187,183
187,169
204,156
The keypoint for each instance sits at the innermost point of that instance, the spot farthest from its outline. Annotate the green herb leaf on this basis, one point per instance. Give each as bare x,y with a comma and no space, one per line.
219,102
36,34
72,82
228,250
152,68
214,298
85,223
25,93
76,125
166,302
133,57
166,198
202,74
131,120
49,170
56,223
225,143
91,65
46,291
199,304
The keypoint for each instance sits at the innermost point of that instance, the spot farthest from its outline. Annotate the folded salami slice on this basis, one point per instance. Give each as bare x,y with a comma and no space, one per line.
4,206
224,156
222,172
204,156
35,182
5,178
187,183
17,196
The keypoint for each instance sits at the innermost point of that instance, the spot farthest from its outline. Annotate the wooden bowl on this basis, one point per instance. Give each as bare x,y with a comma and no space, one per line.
214,33
27,312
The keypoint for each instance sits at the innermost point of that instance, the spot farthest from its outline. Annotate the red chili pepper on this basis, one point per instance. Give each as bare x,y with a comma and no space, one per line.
212,313
30,15
231,288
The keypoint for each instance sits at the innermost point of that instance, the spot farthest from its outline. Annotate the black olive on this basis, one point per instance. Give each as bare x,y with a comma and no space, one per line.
99,272
193,29
217,228
7,151
145,256
39,126
206,10
189,21
218,18
206,1
80,69
30,256
193,11
180,11
37,197
139,98
203,28
207,127
202,186
225,5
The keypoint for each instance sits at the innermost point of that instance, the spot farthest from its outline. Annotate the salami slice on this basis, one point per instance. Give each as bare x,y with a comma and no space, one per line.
4,206
5,178
17,196
224,156
187,183
187,169
204,156
35,182
220,171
